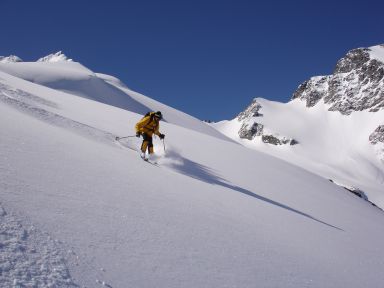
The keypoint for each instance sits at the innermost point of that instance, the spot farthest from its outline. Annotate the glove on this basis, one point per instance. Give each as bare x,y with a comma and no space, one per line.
138,134
161,136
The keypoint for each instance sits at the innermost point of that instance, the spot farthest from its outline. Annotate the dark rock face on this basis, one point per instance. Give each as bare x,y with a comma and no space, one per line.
275,140
377,136
357,84
251,129
313,90
353,60
251,111
249,132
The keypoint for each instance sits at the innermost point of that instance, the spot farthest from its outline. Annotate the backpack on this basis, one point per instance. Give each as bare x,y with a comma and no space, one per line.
150,113
147,114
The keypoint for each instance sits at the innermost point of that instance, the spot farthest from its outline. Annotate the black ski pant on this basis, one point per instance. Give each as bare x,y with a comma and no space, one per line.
147,144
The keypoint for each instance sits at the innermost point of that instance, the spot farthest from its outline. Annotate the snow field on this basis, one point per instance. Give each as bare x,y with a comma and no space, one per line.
212,214
28,257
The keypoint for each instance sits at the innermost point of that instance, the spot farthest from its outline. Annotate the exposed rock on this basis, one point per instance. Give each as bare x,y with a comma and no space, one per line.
377,136
251,111
312,90
277,140
354,190
250,131
357,84
270,139
353,60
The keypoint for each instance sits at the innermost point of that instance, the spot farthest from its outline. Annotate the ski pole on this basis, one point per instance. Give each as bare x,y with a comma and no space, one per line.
164,144
118,138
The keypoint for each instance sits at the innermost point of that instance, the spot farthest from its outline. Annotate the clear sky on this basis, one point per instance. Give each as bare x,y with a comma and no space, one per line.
207,58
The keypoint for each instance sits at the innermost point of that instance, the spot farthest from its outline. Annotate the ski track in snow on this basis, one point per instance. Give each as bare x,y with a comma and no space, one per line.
26,102
29,258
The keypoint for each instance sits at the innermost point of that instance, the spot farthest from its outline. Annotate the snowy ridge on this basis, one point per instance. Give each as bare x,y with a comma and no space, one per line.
10,59
212,213
75,79
377,52
55,57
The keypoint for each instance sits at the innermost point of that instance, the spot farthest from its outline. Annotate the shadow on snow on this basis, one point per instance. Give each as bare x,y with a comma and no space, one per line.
205,174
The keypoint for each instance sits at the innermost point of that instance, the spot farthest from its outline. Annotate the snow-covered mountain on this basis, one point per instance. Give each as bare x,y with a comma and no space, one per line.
55,57
333,126
355,85
10,59
79,209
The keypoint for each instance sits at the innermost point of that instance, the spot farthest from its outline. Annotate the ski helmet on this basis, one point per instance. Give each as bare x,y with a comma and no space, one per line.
158,115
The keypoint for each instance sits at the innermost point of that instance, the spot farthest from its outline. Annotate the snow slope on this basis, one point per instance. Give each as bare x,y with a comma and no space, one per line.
330,144
73,78
210,214
332,118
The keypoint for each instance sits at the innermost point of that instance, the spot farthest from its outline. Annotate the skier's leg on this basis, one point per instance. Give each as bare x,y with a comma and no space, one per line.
150,145
145,143
144,146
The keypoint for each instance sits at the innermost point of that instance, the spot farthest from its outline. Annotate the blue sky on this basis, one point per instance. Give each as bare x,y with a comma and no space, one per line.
207,58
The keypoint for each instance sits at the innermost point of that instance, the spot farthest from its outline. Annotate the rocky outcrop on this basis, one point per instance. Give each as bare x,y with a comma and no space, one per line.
377,136
250,131
313,90
353,60
278,140
377,140
250,128
251,111
356,84
356,191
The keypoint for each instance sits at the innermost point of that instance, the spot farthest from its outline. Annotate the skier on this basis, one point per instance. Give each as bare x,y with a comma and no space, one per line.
146,127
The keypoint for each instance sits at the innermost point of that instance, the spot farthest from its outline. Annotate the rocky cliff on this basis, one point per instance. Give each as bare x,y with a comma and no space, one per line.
356,84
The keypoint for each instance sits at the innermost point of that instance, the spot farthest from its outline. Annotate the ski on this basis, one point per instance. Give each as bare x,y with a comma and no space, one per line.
148,161
145,159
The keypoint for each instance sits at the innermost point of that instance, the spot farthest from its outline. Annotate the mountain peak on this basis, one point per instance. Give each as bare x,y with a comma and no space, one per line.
10,59
55,57
355,85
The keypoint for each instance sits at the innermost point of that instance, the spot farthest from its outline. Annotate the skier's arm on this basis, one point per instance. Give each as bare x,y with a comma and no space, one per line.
157,130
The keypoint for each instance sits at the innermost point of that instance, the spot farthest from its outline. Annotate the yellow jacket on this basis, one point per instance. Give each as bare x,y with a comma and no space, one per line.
148,125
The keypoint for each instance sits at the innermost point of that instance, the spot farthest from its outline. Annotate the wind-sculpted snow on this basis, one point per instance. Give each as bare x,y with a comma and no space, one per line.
96,89
28,257
34,106
75,79
72,77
